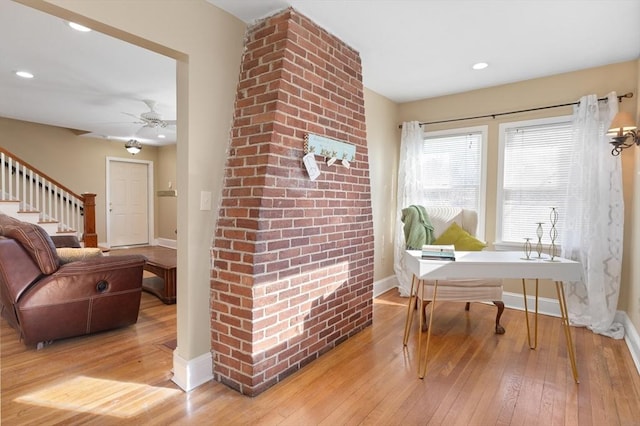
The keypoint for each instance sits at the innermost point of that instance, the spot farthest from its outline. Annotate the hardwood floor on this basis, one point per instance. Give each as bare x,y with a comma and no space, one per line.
475,377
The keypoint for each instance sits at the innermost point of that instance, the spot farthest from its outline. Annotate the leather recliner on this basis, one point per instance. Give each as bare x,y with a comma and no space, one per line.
45,300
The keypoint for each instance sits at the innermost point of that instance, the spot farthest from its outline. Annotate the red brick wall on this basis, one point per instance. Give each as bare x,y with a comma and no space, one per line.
293,258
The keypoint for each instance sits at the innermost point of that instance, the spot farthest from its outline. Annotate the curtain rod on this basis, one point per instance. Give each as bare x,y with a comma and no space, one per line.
626,95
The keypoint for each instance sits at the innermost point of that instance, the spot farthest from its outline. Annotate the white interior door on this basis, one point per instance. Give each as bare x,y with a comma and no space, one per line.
128,203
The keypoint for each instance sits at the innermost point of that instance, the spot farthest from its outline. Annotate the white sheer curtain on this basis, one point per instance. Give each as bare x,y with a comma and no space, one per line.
594,216
409,192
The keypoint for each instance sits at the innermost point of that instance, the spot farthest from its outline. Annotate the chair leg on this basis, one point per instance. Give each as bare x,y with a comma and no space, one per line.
500,305
425,324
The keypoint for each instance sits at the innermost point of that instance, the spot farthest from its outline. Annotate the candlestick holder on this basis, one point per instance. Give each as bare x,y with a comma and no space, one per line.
539,233
527,249
553,234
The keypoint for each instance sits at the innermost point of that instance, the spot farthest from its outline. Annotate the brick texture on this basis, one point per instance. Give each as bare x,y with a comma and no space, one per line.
292,258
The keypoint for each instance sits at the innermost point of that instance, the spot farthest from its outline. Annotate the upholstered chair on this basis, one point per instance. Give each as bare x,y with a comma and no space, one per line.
457,226
46,297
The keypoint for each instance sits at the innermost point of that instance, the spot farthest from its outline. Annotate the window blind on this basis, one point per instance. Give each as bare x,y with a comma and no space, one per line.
452,170
535,167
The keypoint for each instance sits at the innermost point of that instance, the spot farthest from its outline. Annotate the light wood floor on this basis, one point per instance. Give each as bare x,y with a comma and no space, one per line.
475,377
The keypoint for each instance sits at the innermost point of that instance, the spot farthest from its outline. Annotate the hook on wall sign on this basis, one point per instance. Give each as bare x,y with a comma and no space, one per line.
330,149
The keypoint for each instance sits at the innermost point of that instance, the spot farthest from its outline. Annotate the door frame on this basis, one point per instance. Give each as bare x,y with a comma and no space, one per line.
150,199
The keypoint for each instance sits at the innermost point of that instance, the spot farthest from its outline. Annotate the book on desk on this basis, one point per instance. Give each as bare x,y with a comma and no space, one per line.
438,252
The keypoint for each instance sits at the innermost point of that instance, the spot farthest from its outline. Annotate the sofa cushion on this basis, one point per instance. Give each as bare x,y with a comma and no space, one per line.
8,220
71,254
460,238
65,241
442,217
37,243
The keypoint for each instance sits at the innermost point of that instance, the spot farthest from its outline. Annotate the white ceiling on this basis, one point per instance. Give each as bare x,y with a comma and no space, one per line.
410,49
83,81
416,49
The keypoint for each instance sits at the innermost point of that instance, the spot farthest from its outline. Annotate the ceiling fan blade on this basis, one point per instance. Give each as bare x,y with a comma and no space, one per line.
170,122
150,104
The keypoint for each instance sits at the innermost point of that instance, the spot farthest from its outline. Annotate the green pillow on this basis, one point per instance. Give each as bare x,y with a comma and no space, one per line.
460,239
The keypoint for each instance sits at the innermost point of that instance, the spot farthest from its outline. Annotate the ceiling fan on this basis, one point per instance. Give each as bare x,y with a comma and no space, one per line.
151,119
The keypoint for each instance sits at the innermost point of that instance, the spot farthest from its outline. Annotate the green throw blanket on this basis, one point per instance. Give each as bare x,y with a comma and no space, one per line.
417,227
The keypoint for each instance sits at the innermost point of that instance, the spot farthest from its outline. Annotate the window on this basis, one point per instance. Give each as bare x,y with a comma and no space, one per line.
453,169
533,170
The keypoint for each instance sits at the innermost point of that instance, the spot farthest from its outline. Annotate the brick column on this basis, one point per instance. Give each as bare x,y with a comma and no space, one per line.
293,258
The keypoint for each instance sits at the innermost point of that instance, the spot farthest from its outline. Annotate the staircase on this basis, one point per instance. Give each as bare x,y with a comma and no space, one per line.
31,196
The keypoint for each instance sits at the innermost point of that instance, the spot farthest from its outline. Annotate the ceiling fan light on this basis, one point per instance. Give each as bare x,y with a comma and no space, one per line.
133,146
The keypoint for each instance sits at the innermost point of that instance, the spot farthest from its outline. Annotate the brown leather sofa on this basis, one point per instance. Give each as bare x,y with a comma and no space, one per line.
45,300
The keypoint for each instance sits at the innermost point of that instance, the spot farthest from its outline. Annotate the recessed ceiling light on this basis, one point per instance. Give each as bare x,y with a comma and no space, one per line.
24,74
161,136
79,27
480,66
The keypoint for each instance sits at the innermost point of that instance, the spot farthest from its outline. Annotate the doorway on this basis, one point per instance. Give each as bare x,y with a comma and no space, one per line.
129,202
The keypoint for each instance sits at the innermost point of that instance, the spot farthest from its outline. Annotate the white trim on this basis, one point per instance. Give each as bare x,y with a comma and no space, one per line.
384,285
193,373
150,196
165,242
546,306
631,337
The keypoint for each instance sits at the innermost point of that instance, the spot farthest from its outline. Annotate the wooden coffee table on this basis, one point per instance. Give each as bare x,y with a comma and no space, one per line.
162,262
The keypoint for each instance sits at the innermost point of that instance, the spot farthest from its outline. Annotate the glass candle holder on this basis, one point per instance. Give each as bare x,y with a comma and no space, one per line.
553,233
527,249
539,233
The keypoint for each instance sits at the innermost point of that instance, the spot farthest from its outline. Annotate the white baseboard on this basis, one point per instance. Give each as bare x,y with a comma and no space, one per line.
384,285
546,306
193,373
631,337
165,242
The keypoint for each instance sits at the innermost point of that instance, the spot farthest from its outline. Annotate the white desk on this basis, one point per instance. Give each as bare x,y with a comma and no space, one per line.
500,265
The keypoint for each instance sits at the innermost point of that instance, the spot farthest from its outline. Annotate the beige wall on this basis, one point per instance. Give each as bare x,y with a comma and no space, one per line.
382,143
79,163
632,293
558,89
207,43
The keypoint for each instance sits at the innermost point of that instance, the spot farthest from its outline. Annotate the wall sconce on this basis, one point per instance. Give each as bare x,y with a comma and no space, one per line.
623,132
133,146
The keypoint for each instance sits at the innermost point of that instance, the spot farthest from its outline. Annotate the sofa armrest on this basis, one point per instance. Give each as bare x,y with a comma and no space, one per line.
74,254
85,279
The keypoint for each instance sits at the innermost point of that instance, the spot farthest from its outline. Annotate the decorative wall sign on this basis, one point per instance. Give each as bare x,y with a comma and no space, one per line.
311,166
329,148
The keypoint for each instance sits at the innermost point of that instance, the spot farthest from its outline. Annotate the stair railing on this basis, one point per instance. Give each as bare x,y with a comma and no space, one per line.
37,192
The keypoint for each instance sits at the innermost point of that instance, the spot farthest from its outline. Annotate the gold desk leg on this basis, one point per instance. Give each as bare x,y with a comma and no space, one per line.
423,370
535,345
526,309
409,319
567,331
526,315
